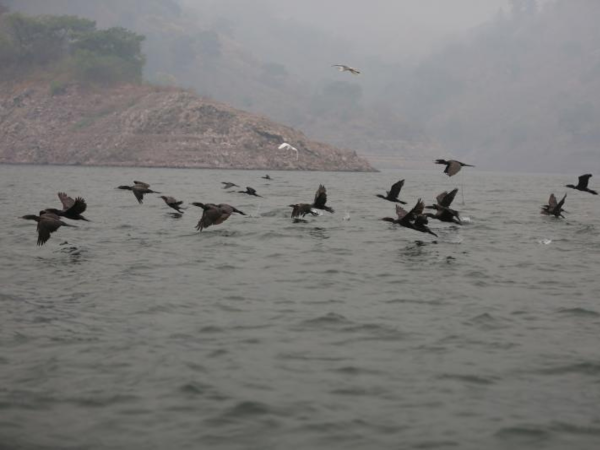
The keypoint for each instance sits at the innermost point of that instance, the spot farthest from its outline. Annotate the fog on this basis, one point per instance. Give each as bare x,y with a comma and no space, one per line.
507,84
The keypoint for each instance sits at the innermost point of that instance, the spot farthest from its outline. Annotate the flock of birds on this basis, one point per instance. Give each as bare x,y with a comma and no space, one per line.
50,220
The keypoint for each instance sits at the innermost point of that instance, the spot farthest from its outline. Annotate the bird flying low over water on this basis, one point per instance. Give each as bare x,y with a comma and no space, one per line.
139,188
47,223
72,209
414,219
554,208
321,199
393,193
215,214
172,203
345,68
302,209
444,213
452,166
250,191
267,177
583,184
228,184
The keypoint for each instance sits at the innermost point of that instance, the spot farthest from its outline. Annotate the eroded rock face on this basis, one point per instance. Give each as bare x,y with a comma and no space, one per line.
149,126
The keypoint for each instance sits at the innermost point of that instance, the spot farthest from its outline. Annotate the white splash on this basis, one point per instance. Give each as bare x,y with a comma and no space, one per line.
545,241
465,219
316,211
346,216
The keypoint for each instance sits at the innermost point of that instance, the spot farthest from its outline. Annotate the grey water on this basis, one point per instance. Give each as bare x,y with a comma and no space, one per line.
135,331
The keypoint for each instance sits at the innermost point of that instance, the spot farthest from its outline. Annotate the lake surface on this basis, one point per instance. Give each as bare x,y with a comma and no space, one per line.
135,331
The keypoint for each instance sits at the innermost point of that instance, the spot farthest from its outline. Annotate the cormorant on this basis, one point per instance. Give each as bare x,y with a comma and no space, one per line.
214,214
414,219
302,209
321,199
583,184
47,223
250,191
228,184
72,209
444,212
452,166
139,188
267,177
554,208
393,193
172,203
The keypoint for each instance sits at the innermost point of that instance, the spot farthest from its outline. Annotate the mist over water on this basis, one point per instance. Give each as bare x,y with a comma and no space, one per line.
135,331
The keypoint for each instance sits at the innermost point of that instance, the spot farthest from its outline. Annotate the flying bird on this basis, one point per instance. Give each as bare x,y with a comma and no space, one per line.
302,209
286,146
250,191
72,209
321,199
452,166
267,177
583,184
139,188
215,214
172,203
345,68
444,212
554,208
47,223
414,219
228,184
392,194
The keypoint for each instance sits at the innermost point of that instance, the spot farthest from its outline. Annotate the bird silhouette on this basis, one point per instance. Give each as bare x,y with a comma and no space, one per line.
554,208
228,184
302,209
321,200
172,203
47,223
139,188
267,177
214,214
452,166
444,212
72,209
250,191
414,219
583,184
392,194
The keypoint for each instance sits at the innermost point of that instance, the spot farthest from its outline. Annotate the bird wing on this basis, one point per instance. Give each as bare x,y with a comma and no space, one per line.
284,146
552,202
45,227
448,198
400,212
584,180
209,217
78,207
395,189
66,201
141,183
139,193
320,197
561,203
417,209
250,190
452,168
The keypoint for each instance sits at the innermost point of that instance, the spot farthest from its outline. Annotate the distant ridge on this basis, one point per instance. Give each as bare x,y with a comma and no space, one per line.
142,125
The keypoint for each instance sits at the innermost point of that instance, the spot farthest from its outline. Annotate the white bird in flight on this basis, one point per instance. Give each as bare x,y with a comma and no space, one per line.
344,68
286,146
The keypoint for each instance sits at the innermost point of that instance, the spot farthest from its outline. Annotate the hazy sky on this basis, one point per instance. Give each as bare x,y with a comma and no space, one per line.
394,27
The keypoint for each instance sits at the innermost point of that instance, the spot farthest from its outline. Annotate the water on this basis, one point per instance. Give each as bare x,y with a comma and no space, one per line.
342,333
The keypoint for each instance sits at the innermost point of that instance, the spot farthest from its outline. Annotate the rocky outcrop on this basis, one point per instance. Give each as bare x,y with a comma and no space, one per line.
150,126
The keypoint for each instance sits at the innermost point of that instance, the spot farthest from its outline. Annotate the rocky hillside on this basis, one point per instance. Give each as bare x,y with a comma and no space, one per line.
134,125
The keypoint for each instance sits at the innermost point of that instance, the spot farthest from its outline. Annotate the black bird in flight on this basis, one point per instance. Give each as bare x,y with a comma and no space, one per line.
554,208
47,223
302,209
393,193
452,166
72,209
250,191
267,177
215,214
172,203
321,199
139,188
228,184
583,184
444,212
414,219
